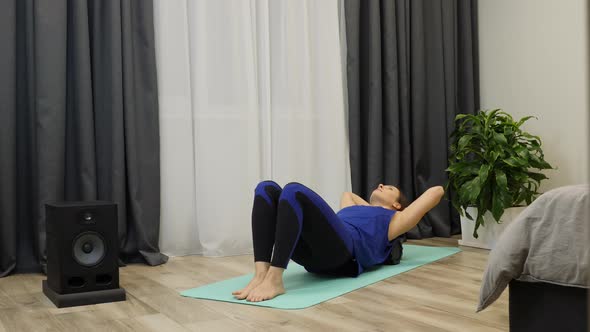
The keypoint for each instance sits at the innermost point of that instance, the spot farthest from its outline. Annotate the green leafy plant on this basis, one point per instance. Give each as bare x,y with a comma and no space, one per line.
490,164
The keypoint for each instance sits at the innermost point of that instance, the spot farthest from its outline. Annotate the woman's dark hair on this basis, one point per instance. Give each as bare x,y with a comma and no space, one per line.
403,200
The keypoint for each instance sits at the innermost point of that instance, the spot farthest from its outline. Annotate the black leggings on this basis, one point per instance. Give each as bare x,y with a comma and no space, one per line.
299,225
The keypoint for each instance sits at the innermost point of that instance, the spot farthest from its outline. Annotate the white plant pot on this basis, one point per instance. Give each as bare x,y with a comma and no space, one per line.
488,233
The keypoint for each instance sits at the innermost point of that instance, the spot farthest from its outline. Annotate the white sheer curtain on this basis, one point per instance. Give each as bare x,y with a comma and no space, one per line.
249,90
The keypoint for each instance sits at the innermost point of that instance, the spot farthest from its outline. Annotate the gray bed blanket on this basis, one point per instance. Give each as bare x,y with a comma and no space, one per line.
546,243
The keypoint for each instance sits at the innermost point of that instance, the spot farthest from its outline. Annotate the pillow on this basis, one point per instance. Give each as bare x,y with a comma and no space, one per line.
546,243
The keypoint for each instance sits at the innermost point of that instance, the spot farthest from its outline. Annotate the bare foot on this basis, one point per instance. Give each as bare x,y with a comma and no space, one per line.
271,287
260,272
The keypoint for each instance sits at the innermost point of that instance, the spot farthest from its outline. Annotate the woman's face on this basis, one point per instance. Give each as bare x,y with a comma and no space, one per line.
386,195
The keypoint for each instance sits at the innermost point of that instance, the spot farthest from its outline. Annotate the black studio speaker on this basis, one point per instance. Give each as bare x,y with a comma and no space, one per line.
82,253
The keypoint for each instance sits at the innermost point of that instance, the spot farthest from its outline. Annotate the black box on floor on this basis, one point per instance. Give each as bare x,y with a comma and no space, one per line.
540,307
82,253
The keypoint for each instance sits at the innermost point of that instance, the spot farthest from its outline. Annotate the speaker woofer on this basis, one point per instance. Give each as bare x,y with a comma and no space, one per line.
88,249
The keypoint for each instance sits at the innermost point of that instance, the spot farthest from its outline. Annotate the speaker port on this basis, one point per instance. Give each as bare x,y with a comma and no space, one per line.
104,279
76,282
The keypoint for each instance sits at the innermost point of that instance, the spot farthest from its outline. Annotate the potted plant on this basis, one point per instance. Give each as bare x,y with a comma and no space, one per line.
490,164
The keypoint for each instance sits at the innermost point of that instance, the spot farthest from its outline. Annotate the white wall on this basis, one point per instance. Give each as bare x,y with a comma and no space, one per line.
534,61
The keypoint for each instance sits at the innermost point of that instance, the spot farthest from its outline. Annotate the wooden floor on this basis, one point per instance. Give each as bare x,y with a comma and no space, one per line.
441,296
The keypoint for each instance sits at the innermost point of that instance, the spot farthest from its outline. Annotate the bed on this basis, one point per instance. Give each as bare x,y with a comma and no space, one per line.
543,257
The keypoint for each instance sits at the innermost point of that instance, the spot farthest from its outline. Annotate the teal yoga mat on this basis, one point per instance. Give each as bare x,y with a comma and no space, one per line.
306,289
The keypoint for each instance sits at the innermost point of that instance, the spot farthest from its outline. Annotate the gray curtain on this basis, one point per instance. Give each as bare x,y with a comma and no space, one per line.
79,121
412,65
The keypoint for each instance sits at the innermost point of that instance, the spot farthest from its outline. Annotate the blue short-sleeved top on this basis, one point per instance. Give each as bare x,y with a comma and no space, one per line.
368,226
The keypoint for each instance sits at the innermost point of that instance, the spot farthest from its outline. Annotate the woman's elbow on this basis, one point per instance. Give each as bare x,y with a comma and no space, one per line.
438,191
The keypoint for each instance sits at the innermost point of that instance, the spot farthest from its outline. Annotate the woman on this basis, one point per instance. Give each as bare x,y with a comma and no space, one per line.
299,225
